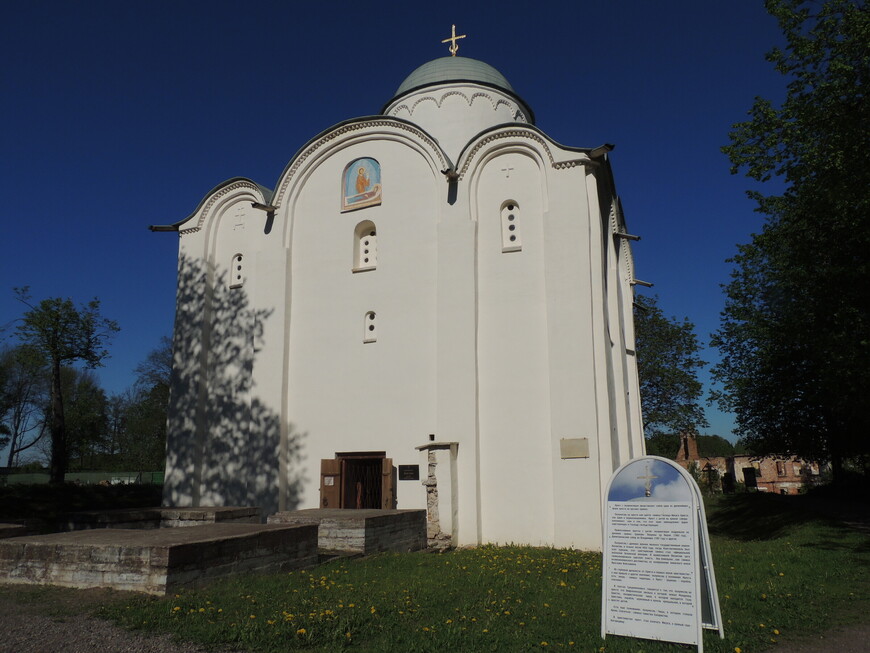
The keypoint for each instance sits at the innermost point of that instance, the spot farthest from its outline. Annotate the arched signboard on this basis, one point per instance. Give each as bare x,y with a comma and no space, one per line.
658,573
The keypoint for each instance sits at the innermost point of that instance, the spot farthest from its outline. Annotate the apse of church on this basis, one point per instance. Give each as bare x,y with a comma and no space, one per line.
431,309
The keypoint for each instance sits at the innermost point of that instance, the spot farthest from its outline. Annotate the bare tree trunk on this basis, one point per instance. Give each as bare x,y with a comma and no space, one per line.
58,429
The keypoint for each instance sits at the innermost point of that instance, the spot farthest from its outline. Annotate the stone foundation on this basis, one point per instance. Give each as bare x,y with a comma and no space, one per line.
12,530
147,518
156,561
362,531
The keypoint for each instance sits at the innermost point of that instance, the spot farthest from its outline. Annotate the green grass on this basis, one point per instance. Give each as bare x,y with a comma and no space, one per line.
781,573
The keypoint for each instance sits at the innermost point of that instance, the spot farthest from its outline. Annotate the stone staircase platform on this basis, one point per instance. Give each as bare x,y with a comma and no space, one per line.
156,561
361,531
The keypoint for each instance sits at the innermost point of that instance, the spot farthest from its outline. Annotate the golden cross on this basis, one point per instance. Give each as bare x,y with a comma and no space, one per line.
453,38
649,479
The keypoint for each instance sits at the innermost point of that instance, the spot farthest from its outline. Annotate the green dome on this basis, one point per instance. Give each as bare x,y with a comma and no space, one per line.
454,69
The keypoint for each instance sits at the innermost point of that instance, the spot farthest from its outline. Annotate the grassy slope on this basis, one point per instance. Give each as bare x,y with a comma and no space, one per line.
782,569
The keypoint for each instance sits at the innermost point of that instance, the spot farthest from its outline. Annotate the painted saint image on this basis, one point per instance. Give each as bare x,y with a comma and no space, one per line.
361,184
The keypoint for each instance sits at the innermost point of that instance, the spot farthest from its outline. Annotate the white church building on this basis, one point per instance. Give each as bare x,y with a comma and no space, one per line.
432,309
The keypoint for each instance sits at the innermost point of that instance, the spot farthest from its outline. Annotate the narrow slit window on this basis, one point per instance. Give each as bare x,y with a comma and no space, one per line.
510,227
365,246
237,272
370,331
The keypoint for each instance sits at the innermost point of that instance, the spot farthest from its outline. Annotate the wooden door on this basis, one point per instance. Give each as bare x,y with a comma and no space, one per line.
388,484
330,483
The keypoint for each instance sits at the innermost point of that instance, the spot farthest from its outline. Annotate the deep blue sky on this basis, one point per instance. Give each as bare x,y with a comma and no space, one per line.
118,115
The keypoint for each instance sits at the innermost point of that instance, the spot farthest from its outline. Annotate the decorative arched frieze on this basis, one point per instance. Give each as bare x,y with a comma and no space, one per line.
495,101
518,114
524,134
218,196
347,129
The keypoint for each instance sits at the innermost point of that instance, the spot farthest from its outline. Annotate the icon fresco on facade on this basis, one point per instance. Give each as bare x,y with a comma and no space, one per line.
361,184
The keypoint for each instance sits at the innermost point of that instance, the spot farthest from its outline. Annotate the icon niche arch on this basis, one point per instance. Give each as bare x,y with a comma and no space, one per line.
361,184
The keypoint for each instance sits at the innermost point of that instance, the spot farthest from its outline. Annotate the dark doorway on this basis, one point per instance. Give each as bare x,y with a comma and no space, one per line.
358,480
362,483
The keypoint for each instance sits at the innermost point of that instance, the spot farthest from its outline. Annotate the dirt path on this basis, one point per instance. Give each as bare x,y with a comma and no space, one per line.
49,620
854,639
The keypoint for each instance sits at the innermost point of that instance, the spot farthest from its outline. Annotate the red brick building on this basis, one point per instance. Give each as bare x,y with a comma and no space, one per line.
783,474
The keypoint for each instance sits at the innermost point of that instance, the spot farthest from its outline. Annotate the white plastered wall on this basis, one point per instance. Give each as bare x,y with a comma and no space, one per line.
223,440
344,394
514,465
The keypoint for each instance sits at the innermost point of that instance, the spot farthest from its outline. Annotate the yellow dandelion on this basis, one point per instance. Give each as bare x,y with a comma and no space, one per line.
301,631
737,649
253,616
176,608
775,631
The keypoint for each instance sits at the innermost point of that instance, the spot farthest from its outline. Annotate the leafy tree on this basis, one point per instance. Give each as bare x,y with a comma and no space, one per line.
86,414
711,446
156,369
147,412
23,393
794,332
59,333
665,445
668,364
136,419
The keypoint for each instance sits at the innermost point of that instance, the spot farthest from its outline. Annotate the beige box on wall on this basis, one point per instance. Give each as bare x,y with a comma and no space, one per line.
574,447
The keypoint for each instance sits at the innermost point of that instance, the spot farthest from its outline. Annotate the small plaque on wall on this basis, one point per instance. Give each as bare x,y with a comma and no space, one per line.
574,447
409,472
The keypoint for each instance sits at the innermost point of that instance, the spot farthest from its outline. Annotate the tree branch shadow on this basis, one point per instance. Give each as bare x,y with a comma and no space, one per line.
223,442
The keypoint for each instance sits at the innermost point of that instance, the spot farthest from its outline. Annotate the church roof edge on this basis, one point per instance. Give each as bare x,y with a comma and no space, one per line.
350,121
593,152
175,226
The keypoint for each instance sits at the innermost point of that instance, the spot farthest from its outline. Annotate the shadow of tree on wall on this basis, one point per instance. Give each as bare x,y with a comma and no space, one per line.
223,442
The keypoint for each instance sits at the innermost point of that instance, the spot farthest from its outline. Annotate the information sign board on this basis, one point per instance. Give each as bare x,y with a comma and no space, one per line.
658,574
